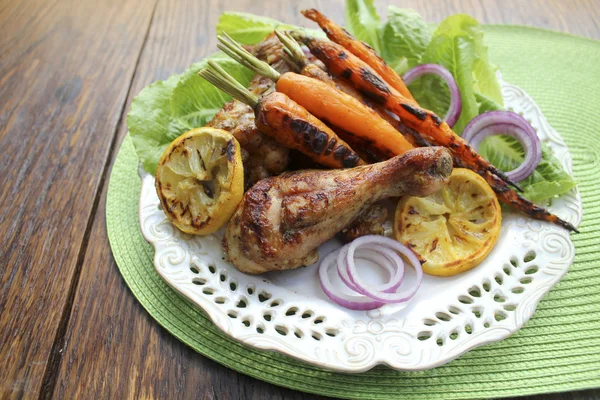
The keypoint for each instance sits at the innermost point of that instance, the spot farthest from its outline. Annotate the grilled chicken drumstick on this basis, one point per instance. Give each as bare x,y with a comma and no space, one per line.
282,220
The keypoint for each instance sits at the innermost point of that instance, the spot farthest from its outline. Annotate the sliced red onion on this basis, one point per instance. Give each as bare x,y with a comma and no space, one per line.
352,302
512,124
372,291
382,256
453,112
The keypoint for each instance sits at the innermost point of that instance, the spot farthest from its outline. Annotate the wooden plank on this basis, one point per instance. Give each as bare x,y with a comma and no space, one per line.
114,349
65,70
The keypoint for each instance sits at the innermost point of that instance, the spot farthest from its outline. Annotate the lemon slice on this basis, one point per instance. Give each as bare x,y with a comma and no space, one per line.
454,229
200,180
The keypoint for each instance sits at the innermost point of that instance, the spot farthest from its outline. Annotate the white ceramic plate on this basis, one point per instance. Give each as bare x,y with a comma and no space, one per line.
287,311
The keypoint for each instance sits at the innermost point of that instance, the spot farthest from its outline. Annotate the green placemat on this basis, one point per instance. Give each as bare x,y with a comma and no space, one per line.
558,349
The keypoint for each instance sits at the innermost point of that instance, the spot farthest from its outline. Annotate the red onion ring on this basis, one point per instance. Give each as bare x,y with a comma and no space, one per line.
453,112
512,124
394,266
351,302
372,291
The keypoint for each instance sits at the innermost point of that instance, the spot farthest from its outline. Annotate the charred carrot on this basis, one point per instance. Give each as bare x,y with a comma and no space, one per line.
424,127
326,102
342,63
513,199
288,123
360,49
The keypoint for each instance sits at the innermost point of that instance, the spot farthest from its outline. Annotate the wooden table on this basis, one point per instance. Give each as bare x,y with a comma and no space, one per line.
69,69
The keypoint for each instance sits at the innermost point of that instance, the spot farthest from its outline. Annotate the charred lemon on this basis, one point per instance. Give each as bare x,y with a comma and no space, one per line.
454,229
200,180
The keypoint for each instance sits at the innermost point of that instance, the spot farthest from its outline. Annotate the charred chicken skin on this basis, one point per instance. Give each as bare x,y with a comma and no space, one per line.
282,220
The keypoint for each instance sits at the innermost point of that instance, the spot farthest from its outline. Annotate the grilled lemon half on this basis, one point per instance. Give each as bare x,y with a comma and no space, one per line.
453,230
200,180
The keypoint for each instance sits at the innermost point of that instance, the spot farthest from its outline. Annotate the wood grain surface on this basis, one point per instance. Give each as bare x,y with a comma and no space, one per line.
69,327
65,71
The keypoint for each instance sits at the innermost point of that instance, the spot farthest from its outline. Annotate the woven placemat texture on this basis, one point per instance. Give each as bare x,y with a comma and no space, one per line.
558,349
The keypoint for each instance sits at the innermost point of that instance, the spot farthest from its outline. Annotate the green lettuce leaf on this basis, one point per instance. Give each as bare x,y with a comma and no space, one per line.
194,101
166,109
250,29
457,45
404,38
456,52
432,93
486,104
547,181
150,123
363,22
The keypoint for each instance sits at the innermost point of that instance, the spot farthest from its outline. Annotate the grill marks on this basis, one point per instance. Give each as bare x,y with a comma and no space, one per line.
229,150
417,112
374,80
294,127
312,136
436,120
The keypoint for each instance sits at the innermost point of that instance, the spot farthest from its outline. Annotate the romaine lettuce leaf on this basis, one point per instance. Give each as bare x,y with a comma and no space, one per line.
166,109
250,29
457,45
195,101
404,38
363,22
150,122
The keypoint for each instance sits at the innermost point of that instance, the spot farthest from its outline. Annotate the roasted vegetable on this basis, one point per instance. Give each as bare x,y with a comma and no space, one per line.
343,63
424,126
360,49
325,101
288,123
262,156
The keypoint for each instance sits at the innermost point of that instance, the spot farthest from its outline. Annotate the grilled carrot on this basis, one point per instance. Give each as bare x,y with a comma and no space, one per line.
288,123
322,99
295,127
360,49
510,197
424,127
344,64
296,57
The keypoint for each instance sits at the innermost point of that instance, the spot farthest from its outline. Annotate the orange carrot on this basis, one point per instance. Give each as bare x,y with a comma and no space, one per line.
287,122
338,109
323,99
360,49
293,126
343,63
513,199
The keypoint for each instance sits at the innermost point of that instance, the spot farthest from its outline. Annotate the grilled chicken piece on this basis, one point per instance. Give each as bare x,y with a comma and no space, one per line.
369,222
282,220
262,156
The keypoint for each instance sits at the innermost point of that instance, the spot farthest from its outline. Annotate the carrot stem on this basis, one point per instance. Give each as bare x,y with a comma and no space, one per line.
227,83
292,49
242,56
